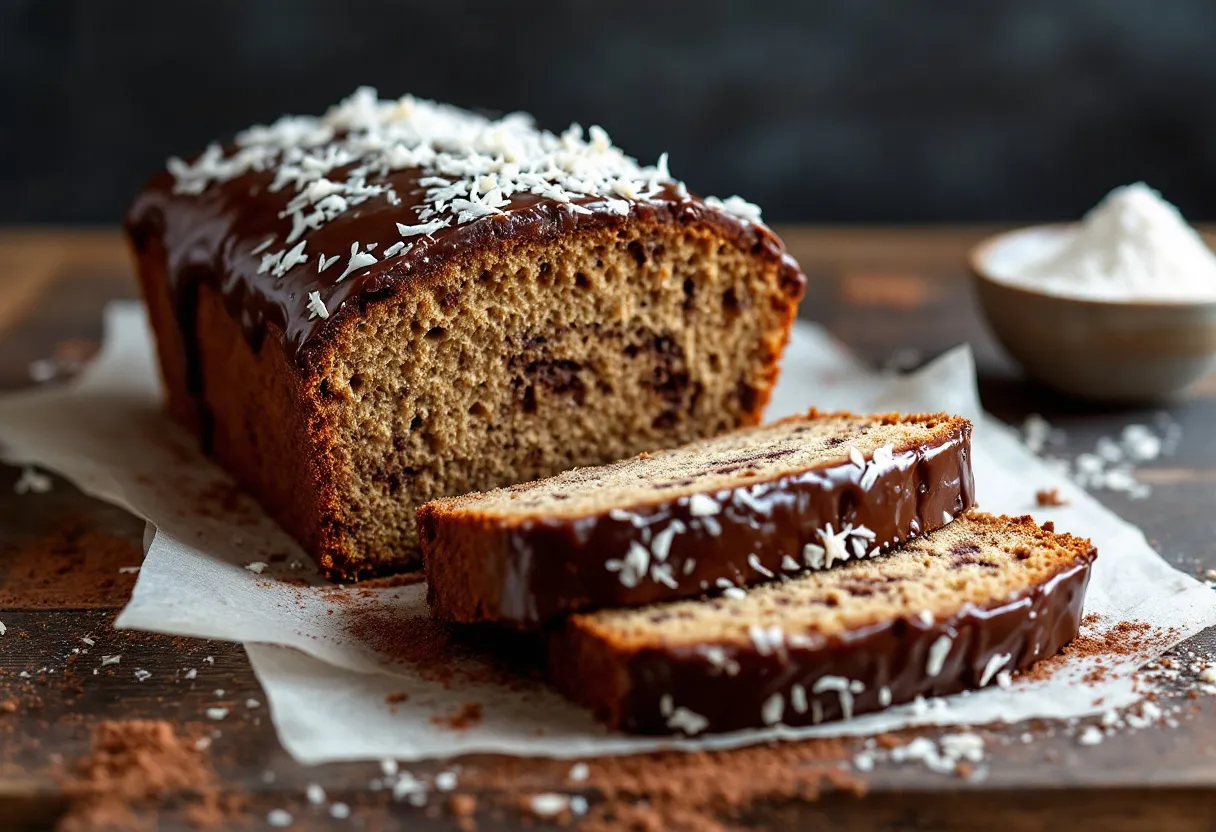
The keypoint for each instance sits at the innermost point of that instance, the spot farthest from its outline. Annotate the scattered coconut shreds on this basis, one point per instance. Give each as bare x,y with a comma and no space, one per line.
579,772
315,794
471,167
32,482
128,570
142,675
1111,466
216,713
1092,735
252,703
43,370
408,787
339,811
257,567
389,767
946,755
279,818
549,805
3,629
191,673
105,660
316,306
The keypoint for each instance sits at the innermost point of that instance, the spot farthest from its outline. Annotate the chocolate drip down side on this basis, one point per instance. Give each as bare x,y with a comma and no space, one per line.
543,568
820,679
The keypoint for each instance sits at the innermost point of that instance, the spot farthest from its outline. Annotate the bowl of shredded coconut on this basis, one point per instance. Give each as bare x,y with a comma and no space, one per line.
1118,307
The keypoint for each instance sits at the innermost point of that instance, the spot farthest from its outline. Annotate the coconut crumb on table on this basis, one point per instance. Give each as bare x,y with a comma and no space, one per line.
546,805
1112,464
32,481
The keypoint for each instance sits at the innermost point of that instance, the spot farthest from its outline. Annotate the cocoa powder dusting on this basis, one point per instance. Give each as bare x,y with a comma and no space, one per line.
134,766
1127,638
1049,497
468,715
705,791
443,653
72,565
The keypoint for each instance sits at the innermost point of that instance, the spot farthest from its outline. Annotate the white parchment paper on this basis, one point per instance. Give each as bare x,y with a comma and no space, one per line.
331,659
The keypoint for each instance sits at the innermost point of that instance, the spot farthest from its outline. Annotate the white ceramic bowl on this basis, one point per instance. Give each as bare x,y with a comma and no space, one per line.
1106,350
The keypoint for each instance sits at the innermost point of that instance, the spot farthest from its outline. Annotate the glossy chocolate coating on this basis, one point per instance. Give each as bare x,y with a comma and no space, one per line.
894,655
210,238
554,566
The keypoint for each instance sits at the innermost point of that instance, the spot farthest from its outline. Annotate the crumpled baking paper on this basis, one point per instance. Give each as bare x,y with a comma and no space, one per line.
348,671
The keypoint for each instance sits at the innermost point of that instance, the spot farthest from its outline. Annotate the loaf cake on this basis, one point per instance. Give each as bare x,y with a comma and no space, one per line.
742,508
401,300
946,612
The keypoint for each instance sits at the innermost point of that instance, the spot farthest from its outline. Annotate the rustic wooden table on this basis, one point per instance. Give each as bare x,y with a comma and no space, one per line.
881,291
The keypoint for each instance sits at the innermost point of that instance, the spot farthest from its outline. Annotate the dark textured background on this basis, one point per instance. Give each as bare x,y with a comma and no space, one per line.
910,110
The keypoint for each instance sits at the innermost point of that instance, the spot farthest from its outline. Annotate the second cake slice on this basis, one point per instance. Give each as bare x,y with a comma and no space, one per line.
715,515
950,611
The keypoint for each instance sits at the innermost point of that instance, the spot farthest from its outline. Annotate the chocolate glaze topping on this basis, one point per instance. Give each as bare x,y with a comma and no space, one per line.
894,656
557,566
210,238
219,236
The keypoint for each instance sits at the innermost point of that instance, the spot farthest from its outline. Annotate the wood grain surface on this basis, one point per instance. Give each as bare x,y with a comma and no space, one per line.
890,294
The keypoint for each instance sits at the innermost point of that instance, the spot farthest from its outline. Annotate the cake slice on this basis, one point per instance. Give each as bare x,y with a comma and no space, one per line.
402,300
806,492
946,612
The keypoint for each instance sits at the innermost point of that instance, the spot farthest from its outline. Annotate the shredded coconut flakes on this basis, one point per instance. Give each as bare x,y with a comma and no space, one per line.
316,306
470,167
32,481
938,652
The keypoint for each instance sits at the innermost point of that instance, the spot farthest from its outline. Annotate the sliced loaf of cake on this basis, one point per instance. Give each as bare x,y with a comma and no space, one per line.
746,507
949,611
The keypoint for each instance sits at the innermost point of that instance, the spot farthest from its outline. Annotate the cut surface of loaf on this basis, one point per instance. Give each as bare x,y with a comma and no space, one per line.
946,612
400,300
742,508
